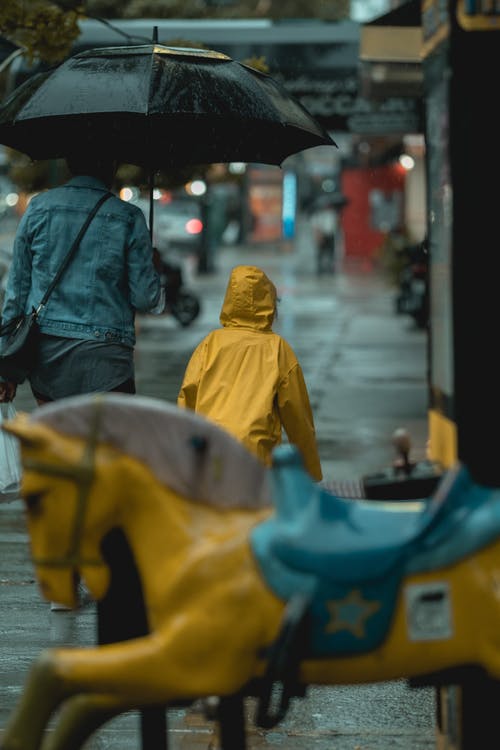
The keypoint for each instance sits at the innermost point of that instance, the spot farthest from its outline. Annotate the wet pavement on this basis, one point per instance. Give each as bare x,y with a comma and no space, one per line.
365,368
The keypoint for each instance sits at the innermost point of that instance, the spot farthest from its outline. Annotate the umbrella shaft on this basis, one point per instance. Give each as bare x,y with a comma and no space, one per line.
151,201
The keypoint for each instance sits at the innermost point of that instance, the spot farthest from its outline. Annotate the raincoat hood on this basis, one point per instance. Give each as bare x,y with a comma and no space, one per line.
250,300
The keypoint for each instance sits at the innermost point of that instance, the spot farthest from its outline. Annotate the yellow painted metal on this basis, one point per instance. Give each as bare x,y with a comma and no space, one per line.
210,612
442,446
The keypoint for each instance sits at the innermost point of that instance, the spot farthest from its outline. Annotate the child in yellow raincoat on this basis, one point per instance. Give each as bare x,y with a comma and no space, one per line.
247,379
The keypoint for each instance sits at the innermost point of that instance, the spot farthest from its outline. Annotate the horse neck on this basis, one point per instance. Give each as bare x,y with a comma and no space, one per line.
167,532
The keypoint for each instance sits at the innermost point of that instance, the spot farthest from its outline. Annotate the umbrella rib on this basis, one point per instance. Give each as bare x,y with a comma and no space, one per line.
151,81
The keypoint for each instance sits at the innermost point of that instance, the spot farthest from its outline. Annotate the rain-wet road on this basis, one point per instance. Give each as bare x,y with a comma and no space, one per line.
365,369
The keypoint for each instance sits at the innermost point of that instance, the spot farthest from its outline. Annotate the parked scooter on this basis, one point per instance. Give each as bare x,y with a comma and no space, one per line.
413,295
184,305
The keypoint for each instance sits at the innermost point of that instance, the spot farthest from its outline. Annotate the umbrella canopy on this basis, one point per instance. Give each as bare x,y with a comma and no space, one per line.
158,107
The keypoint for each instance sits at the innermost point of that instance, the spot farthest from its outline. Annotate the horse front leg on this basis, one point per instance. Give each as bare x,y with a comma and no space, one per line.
135,672
42,694
75,682
79,717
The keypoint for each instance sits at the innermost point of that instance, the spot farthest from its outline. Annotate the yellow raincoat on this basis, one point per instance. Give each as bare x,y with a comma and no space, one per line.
247,379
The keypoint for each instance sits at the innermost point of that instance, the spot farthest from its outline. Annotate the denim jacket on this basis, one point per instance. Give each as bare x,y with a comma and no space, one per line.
110,276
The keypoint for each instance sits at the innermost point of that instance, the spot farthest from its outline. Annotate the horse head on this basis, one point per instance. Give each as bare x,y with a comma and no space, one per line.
63,522
86,459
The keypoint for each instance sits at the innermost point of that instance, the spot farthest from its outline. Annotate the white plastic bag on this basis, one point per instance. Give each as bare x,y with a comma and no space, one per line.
10,458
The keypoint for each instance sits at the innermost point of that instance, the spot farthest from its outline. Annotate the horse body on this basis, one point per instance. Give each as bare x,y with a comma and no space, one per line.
395,589
474,639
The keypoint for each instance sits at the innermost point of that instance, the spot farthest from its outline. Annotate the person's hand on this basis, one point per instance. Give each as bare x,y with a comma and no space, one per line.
7,391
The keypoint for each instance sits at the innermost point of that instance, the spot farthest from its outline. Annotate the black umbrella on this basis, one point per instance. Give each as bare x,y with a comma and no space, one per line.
158,107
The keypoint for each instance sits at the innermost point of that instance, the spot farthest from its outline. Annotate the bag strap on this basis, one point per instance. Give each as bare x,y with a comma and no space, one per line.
72,250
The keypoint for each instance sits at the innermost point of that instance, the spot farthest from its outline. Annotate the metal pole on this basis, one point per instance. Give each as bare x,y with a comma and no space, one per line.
121,615
151,171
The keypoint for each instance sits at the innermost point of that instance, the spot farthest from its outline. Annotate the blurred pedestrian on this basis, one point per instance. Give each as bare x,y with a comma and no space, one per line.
324,223
247,379
87,327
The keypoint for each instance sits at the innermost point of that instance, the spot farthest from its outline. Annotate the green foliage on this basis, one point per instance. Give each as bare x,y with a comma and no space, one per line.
392,256
129,174
33,176
46,29
328,10
258,63
42,28
104,8
163,9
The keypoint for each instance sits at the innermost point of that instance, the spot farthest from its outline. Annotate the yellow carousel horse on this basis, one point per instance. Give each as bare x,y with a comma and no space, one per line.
249,575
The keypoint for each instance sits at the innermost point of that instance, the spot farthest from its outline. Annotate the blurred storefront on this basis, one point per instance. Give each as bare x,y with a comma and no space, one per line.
387,186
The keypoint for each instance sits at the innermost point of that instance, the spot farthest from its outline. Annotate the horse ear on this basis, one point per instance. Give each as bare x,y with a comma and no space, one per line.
30,434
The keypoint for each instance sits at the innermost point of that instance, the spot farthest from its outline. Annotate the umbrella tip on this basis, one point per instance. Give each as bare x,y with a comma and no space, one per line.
155,34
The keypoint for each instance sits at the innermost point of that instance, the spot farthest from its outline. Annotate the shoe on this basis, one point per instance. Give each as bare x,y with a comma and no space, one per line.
84,595
84,598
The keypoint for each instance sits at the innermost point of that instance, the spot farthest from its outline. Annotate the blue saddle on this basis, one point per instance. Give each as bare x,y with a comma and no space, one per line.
350,556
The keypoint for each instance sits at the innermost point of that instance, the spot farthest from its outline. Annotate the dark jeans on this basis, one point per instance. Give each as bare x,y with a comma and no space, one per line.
127,387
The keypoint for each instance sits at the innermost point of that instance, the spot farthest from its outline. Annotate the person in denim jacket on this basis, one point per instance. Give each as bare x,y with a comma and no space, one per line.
88,333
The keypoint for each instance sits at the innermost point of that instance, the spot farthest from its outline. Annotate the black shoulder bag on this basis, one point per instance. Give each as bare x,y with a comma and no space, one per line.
20,336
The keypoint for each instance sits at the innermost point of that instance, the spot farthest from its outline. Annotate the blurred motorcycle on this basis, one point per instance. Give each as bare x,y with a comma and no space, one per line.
180,302
413,295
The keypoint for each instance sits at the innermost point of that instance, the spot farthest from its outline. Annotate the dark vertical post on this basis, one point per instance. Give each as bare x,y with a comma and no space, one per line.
231,718
151,167
478,711
475,164
461,52
121,615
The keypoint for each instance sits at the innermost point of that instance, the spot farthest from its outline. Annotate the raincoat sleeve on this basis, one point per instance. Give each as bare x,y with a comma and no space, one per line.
297,418
145,288
189,388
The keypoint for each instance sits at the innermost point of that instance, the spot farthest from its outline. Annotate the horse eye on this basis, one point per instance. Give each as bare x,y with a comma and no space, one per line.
33,502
